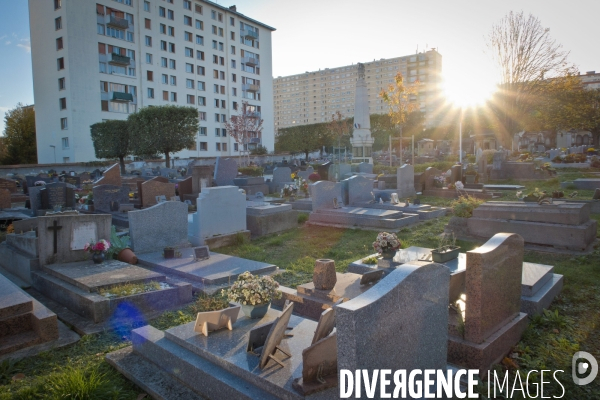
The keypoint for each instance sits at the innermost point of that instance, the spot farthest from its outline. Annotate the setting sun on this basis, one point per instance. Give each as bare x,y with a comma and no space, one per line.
468,90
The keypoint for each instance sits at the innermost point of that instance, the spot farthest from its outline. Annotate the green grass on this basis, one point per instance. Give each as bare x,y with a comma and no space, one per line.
572,324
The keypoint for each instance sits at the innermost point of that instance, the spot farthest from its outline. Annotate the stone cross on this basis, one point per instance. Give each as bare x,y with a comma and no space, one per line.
55,228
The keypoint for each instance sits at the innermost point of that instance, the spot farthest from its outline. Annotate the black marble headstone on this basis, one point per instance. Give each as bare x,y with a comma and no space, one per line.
323,170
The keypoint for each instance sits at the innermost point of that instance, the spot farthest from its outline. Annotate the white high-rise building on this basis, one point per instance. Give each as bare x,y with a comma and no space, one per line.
104,59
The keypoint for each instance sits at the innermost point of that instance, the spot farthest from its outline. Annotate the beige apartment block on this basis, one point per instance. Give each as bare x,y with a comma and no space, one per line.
96,60
312,97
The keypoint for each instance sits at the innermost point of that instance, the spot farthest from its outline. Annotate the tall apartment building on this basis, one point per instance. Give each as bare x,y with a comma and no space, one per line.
96,60
312,97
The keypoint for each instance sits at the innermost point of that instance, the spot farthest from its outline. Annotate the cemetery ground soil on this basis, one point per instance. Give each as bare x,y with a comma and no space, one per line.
572,323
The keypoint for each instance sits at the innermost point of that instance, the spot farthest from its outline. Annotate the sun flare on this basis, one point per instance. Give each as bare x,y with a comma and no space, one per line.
468,91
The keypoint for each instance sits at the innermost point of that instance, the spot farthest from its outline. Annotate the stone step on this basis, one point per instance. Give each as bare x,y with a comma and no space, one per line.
198,373
14,325
12,299
567,214
543,297
534,277
19,341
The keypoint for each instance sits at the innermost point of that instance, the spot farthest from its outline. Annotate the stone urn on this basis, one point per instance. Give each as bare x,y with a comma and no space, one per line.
324,276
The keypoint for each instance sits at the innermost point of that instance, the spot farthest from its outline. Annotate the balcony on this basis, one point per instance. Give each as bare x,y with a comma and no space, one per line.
120,96
247,33
118,22
251,61
119,59
247,87
253,114
255,140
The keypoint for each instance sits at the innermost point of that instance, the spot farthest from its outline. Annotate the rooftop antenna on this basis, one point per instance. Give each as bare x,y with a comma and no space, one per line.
417,52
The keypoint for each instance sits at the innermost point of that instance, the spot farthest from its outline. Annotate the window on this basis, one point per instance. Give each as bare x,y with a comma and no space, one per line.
202,117
58,23
223,118
214,30
217,118
198,8
174,97
62,103
224,145
234,91
172,47
232,49
218,146
187,20
165,79
150,76
232,35
162,29
148,41
199,25
216,103
163,62
215,74
187,4
173,80
150,93
203,146
147,23
222,75
223,105
202,131
220,17
201,70
65,143
147,6
100,29
190,99
189,68
165,95
213,14
217,132
61,84
172,64
216,88
232,63
59,43
201,101
60,63
201,86
66,160
129,36
148,58
102,67
57,4
63,123
233,78
163,45
161,11
221,32
199,55
170,14
199,40
171,31
189,52
187,36
231,21
221,46
189,83
235,147
104,105
215,59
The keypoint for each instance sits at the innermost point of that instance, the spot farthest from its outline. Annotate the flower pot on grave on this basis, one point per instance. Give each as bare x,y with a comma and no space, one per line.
97,258
388,254
128,256
447,254
169,253
256,311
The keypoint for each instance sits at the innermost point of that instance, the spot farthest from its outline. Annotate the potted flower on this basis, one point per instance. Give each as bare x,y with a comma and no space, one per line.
254,293
446,250
470,174
120,249
387,244
303,186
289,190
97,249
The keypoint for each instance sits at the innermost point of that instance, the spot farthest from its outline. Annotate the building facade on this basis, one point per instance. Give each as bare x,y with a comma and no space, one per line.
312,97
96,60
591,80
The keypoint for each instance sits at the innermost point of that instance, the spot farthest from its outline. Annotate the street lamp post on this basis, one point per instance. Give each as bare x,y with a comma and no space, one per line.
460,137
54,147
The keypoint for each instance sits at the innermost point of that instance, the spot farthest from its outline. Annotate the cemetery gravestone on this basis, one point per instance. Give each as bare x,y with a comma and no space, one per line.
358,190
478,154
282,175
406,181
456,173
482,169
157,186
9,185
323,193
202,176
109,198
5,198
159,226
305,174
365,168
185,187
226,169
323,170
57,195
112,176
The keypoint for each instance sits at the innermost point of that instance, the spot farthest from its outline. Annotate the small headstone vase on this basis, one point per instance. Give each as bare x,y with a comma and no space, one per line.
256,311
97,257
388,254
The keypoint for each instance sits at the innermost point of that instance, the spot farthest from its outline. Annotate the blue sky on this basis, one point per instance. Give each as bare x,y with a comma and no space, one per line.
314,34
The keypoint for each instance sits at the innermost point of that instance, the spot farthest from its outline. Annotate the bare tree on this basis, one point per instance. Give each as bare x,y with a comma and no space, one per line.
244,127
527,57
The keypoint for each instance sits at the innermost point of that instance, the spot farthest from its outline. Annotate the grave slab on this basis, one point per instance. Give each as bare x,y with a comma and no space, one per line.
363,218
219,268
567,214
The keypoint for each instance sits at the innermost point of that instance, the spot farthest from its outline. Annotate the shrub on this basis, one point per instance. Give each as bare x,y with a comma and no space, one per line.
463,206
471,158
251,171
314,177
302,218
489,154
557,159
595,164
260,150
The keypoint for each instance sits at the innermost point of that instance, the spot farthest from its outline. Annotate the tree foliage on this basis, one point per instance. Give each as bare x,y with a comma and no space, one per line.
245,126
303,138
526,57
19,136
111,140
401,100
163,129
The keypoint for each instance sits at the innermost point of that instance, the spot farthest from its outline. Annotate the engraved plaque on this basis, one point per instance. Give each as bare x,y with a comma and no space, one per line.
84,232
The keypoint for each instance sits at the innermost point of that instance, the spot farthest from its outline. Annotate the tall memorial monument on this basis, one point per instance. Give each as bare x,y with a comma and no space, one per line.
361,140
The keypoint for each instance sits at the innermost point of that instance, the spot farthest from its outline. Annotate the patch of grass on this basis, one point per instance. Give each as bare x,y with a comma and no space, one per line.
85,384
128,289
302,218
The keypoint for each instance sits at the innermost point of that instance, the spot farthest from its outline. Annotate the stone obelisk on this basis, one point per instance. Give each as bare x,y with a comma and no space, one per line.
361,139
